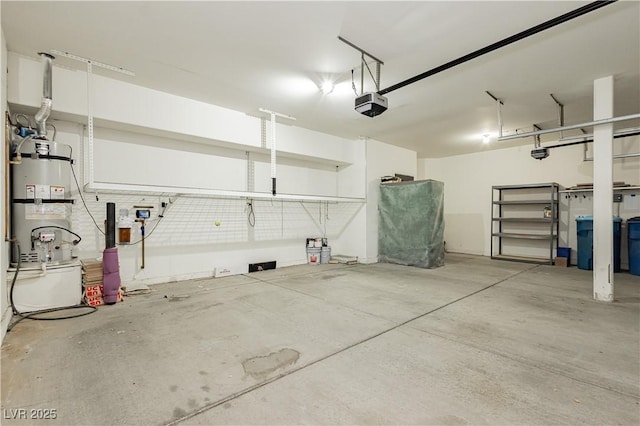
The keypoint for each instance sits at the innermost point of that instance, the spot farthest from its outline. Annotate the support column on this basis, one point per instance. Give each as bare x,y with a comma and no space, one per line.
603,191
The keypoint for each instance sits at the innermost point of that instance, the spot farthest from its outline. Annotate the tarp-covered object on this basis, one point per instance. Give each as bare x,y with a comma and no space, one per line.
411,223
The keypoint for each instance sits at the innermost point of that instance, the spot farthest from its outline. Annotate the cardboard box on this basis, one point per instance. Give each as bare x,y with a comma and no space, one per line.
93,291
562,262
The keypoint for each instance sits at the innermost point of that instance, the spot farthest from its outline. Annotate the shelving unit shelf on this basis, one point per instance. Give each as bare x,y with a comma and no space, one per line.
521,202
525,212
525,219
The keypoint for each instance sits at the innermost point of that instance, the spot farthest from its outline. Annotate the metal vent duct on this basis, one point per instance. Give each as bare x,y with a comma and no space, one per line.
47,96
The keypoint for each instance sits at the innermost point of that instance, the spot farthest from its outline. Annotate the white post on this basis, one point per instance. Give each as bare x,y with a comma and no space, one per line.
603,191
273,144
273,153
90,146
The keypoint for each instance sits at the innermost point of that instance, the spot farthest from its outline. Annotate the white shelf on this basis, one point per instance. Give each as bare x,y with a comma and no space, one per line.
526,259
216,193
216,143
619,188
524,236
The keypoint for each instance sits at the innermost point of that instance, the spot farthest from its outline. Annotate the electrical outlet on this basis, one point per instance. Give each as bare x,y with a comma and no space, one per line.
617,198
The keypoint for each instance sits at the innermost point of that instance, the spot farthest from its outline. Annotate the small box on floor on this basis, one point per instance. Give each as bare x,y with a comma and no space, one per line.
562,262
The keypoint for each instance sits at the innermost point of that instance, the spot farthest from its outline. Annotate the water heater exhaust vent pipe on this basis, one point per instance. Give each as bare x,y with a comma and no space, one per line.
47,100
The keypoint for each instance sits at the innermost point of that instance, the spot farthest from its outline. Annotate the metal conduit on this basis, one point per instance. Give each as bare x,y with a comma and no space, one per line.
502,43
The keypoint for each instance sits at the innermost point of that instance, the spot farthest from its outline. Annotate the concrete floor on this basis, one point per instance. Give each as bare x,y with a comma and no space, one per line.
477,341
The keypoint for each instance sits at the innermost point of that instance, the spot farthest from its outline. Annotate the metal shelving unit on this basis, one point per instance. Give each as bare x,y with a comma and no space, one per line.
520,206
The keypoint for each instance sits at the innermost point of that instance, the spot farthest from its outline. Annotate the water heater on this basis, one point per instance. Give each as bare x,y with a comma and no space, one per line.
41,207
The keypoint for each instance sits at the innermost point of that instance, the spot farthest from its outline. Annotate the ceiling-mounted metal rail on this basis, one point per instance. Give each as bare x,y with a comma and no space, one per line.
502,43
570,127
588,137
364,64
91,61
360,50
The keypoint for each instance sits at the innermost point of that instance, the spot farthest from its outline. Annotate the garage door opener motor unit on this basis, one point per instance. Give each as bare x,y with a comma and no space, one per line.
371,104
368,103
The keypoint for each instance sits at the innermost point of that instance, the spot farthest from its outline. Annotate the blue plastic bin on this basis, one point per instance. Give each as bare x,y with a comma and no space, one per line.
585,242
633,230
564,252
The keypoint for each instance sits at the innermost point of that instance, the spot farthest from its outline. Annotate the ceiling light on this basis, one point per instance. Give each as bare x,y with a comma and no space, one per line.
486,138
326,87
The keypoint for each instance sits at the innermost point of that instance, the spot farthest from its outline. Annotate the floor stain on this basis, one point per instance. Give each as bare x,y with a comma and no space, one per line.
173,388
205,388
330,277
451,420
192,403
203,373
226,405
178,413
178,298
261,366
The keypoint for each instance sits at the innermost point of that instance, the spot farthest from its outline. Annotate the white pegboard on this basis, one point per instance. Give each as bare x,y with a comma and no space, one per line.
192,221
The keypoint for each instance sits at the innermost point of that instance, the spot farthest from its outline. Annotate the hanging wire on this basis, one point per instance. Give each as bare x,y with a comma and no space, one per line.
75,178
251,216
31,315
18,116
353,84
75,242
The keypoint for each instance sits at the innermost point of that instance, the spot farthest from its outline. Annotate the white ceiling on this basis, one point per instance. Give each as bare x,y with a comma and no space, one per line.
251,55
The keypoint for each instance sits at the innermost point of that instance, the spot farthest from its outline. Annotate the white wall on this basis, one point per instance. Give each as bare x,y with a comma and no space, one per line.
353,241
146,137
5,310
468,180
125,103
383,160
187,244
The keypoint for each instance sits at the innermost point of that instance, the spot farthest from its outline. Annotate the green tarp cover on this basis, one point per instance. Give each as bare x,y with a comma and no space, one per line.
411,223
